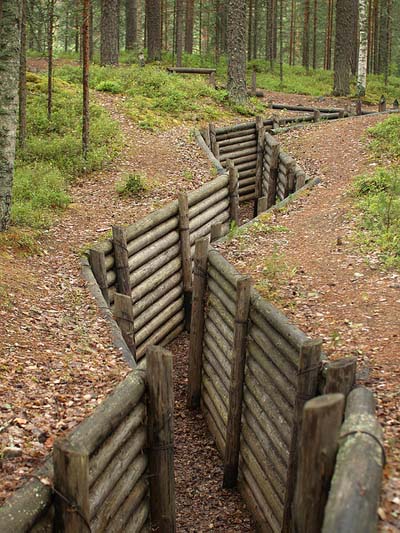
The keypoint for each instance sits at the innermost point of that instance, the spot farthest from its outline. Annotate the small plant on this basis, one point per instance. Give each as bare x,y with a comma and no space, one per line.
276,273
188,175
131,185
109,86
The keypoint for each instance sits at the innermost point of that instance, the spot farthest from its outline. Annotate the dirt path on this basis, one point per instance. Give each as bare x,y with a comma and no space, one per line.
328,286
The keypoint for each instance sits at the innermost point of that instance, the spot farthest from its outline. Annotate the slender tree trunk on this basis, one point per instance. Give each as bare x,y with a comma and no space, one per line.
153,26
315,25
189,26
355,39
179,32
256,28
281,42
328,37
375,18
237,50
91,33
77,25
85,76
200,25
306,35
10,19
250,31
370,37
343,47
292,38
130,24
66,30
109,32
50,59
363,49
217,30
22,79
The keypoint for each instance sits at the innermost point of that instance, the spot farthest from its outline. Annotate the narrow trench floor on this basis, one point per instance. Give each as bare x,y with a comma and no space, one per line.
201,502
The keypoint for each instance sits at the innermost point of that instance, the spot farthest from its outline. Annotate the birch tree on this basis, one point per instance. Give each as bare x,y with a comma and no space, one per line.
363,49
10,13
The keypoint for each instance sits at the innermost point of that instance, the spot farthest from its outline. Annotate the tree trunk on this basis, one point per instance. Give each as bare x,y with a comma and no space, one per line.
256,28
189,26
109,32
343,47
66,29
237,50
85,76
363,49
50,59
22,79
10,18
130,24
328,37
306,35
179,32
77,26
250,31
153,26
315,25
292,39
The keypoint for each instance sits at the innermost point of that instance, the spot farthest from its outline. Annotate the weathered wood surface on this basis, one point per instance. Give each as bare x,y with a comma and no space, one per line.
156,279
272,178
123,313
161,438
340,376
168,331
184,230
152,250
151,221
120,246
191,70
144,305
134,499
356,484
208,202
231,461
98,266
322,419
158,306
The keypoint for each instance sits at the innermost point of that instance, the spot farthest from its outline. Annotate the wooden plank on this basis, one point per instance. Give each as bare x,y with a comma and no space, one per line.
161,438
273,169
231,462
186,255
123,313
121,260
341,375
98,265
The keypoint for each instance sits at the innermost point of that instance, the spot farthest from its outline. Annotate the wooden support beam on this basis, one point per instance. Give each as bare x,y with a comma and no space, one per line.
359,107
322,419
216,231
121,260
274,169
161,438
260,129
123,314
253,82
317,115
233,430
97,262
262,204
71,484
197,324
382,104
186,255
306,389
233,188
213,140
341,375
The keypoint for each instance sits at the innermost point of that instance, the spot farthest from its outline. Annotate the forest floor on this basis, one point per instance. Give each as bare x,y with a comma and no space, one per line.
57,358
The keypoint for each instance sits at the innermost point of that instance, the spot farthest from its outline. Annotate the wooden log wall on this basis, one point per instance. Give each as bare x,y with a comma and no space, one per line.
100,470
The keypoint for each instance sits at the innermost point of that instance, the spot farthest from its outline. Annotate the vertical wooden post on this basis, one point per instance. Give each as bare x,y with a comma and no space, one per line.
97,262
121,260
274,169
123,313
212,79
216,231
260,135
262,204
213,140
206,136
317,115
290,177
319,443
197,324
300,179
161,438
71,483
359,107
233,189
341,113
233,430
307,385
253,82
341,375
382,104
275,123
186,255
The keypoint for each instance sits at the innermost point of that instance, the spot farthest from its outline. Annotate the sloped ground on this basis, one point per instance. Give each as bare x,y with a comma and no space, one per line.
57,360
309,264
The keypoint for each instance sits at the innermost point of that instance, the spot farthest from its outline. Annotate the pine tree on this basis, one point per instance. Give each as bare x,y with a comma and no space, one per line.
237,50
109,32
343,47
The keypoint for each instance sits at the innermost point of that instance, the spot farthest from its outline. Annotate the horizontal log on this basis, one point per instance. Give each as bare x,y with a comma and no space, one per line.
158,306
235,137
222,296
247,197
236,147
172,325
131,504
136,260
138,518
246,166
157,322
208,215
111,278
239,154
203,145
205,230
156,279
208,189
286,159
109,261
128,485
151,220
235,128
270,523
244,191
102,456
247,182
285,391
151,235
217,383
305,108
259,390
208,410
273,506
208,202
356,484
115,469
152,297
241,159
236,141
191,70
220,264
252,441
219,369
107,416
45,523
224,346
278,321
147,270
251,173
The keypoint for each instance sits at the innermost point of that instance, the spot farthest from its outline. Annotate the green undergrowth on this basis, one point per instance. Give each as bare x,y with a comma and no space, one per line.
156,100
378,196
52,158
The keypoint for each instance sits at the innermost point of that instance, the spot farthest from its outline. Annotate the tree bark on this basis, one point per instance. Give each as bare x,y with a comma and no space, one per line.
85,76
10,18
153,25
343,47
306,35
130,24
237,50
363,49
109,32
189,26
179,32
50,59
22,79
